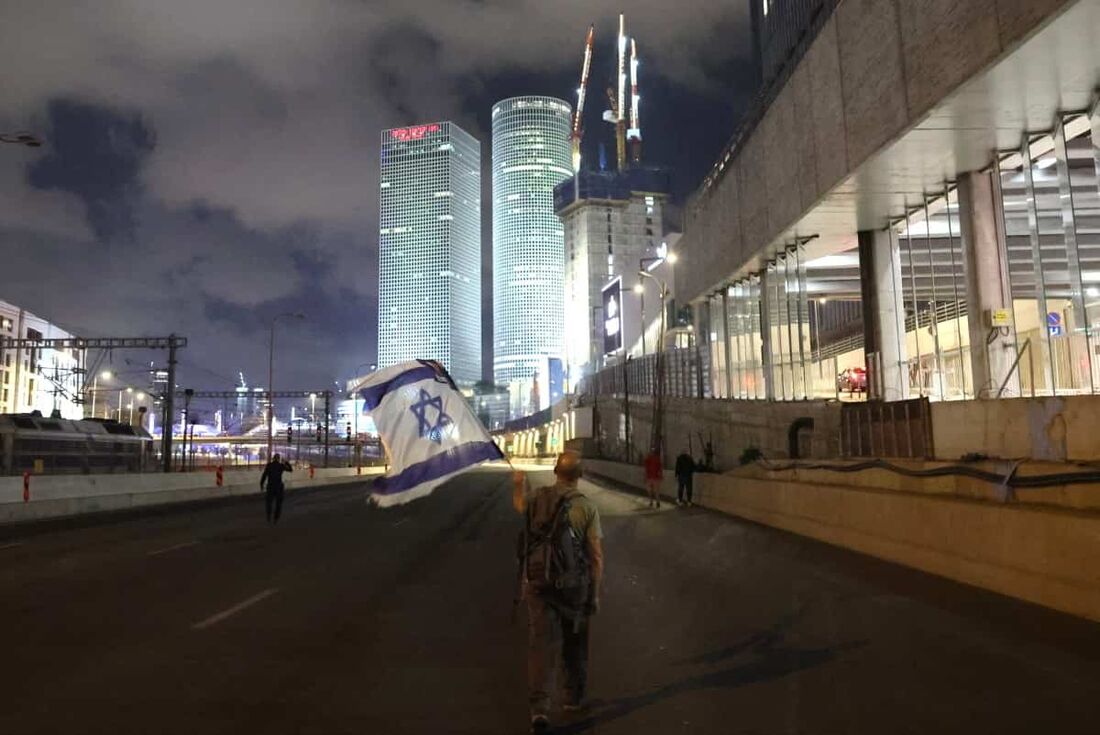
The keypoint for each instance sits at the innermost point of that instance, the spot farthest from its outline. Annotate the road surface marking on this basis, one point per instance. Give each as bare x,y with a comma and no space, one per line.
218,617
11,546
184,545
400,522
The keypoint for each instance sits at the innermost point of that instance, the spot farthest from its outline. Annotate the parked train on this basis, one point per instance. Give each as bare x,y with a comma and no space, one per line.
35,443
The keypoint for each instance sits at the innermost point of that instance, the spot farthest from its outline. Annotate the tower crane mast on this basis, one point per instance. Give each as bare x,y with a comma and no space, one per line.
620,111
634,134
578,115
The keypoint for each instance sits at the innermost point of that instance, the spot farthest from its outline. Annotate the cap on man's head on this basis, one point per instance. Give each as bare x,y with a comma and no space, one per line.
568,466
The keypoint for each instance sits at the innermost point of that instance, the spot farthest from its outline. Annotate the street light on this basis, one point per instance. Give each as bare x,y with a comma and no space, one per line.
663,286
106,375
139,397
22,138
639,288
271,379
313,409
355,394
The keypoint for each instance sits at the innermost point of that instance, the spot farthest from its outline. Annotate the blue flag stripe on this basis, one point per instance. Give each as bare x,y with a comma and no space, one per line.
437,466
373,396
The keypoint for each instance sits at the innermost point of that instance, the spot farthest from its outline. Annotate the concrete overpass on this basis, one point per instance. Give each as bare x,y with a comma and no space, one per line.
905,120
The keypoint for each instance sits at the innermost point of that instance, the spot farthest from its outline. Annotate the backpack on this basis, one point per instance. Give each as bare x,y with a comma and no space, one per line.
553,557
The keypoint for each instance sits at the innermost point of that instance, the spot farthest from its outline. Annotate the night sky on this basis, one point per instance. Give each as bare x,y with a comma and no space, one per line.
212,163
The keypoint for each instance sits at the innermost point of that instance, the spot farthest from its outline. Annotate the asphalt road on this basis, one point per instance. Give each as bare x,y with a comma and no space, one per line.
347,619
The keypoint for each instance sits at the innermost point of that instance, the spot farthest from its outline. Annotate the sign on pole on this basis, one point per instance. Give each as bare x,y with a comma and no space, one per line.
613,316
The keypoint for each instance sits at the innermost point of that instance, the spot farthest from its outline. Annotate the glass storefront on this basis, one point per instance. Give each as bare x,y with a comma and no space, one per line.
765,329
1051,207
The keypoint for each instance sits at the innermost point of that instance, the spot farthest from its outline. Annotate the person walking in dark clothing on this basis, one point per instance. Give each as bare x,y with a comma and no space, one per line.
685,469
272,478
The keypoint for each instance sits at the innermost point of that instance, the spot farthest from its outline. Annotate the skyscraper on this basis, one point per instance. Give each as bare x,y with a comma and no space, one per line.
429,248
531,155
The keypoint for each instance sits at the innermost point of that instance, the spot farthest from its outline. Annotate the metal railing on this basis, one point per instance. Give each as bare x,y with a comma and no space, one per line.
683,370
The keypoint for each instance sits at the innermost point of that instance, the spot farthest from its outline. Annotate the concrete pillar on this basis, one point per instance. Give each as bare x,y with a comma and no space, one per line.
985,262
883,315
766,358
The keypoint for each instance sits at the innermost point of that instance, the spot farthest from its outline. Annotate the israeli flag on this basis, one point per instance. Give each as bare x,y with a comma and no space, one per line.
427,427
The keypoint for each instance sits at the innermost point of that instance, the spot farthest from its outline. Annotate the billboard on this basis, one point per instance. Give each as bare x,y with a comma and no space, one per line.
613,316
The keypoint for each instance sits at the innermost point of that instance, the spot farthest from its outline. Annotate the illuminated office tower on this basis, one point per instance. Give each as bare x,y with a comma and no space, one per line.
429,249
531,155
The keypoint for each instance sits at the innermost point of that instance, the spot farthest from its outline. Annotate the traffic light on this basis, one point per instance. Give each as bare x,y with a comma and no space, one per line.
290,434
318,432
347,431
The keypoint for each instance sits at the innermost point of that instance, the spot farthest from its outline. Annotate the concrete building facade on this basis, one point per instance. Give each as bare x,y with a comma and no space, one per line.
531,155
893,168
429,248
614,224
46,380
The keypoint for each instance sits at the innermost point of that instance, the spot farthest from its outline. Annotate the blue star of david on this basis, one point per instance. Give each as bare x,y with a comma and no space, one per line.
425,428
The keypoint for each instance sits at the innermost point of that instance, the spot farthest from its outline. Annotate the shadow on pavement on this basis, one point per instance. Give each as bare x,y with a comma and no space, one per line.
771,660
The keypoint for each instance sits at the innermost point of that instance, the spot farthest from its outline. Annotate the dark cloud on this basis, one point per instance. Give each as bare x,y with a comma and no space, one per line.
212,163
97,155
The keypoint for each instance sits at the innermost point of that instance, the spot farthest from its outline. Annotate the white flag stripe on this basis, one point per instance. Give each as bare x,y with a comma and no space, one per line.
428,428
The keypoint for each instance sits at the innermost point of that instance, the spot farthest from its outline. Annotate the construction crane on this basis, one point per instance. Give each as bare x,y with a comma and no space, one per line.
620,120
617,114
578,115
634,134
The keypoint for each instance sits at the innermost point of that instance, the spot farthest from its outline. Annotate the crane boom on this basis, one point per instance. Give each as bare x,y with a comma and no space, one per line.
578,114
634,134
620,120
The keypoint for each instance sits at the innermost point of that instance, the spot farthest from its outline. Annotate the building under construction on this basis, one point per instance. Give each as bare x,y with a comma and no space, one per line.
614,220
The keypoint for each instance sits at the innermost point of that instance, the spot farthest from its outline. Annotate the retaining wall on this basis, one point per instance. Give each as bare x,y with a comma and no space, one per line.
59,496
1041,548
730,426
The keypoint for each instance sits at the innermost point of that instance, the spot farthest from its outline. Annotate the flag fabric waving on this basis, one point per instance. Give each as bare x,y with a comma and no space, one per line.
427,426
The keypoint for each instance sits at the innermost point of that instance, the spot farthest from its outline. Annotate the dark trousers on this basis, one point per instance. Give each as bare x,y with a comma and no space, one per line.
553,638
683,483
274,499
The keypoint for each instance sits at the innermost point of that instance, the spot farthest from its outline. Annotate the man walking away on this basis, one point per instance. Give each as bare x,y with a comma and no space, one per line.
685,468
273,479
561,568
654,473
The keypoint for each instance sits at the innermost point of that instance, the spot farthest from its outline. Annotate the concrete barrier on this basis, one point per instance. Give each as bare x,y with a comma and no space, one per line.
1042,548
60,496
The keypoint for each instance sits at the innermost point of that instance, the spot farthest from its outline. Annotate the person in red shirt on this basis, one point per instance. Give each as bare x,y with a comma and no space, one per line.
654,472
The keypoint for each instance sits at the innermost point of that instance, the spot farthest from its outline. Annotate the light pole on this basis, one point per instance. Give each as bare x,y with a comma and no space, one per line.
22,138
355,395
658,438
106,375
643,271
271,379
671,259
313,410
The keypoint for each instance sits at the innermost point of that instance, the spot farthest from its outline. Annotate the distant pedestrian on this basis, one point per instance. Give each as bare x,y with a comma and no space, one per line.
685,469
272,481
654,473
561,568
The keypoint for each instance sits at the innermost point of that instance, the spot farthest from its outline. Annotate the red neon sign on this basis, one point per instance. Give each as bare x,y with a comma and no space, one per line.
416,132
